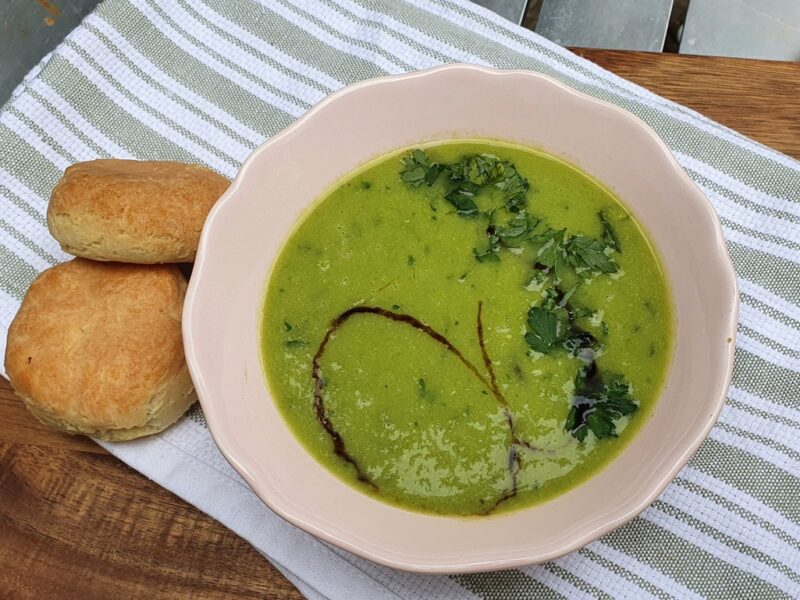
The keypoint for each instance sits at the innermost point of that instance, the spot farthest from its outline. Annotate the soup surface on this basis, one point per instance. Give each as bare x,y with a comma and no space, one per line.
466,329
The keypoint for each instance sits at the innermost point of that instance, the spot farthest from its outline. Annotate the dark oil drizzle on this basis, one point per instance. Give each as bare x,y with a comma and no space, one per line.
339,446
589,379
487,362
514,460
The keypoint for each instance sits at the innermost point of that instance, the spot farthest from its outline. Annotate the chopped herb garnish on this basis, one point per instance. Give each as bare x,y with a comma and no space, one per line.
514,187
366,185
287,327
609,235
468,175
518,230
577,340
478,169
419,169
551,329
583,252
566,296
410,261
486,169
536,281
580,313
547,327
395,307
597,410
463,198
490,253
422,388
552,324
551,254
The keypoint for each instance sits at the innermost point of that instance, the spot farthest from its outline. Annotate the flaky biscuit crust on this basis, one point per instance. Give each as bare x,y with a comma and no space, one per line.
96,348
145,212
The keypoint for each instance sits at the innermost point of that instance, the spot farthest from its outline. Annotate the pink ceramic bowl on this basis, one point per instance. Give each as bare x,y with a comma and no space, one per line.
248,226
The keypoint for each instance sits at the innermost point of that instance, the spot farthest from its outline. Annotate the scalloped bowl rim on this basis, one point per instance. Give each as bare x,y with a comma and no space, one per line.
211,353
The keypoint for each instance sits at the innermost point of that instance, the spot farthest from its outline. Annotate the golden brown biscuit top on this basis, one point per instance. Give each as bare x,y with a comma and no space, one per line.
93,341
144,198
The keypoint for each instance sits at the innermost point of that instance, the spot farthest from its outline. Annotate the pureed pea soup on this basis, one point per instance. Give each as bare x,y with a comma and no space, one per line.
466,329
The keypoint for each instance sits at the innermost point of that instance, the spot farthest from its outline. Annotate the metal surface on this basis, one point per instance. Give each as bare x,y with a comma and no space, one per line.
30,29
613,24
513,10
743,28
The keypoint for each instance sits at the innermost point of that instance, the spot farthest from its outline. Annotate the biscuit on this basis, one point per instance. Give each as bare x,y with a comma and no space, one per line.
96,349
133,211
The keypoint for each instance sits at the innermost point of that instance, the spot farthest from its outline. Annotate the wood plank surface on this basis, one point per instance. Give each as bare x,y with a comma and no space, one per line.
758,98
77,523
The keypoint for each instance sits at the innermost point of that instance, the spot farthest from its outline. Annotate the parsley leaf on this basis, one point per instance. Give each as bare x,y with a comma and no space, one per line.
547,327
490,253
552,250
559,249
478,169
469,176
597,411
617,387
609,235
583,252
553,323
419,169
485,169
536,281
517,230
514,187
463,198
601,423
486,255
577,340
580,313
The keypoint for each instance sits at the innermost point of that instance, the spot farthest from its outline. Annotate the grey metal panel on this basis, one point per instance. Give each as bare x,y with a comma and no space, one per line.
28,31
513,10
617,24
744,28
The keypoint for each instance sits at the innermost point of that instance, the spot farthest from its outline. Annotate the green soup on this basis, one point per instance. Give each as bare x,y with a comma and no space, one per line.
468,329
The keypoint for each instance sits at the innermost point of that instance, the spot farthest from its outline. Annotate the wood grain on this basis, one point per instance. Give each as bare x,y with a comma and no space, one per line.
758,98
77,523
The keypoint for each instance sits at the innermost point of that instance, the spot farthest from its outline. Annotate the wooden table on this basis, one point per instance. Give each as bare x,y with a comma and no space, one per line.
77,523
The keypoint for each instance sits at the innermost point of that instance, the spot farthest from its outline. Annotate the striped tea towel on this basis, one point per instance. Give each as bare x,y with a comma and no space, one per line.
208,80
